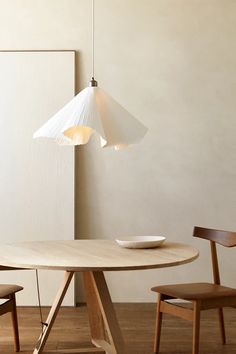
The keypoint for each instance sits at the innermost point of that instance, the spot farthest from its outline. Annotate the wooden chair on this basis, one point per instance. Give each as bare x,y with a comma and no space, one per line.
202,296
7,292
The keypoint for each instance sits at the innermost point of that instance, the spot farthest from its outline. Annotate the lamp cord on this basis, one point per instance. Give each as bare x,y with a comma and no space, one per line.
43,324
93,21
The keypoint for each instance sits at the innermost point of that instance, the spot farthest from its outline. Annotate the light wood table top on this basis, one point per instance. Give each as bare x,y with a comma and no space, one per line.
93,255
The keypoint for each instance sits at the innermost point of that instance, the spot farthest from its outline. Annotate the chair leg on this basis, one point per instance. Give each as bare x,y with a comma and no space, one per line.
15,324
159,315
196,327
222,325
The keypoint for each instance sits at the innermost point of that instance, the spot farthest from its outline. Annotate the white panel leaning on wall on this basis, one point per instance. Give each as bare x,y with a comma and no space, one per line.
36,177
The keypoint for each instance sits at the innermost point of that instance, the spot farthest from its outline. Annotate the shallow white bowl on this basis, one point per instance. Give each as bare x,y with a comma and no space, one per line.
140,241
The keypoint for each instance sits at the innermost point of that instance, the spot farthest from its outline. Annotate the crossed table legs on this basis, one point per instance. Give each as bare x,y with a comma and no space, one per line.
105,331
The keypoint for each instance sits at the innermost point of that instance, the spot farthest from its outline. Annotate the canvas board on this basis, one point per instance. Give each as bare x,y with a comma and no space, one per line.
36,176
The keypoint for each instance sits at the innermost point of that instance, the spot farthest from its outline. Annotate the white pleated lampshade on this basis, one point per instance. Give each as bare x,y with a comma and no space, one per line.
93,110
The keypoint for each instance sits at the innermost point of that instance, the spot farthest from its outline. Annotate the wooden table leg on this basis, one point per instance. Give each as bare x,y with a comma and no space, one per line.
53,312
102,316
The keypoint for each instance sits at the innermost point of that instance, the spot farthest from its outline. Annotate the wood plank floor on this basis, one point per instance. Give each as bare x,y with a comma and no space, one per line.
137,323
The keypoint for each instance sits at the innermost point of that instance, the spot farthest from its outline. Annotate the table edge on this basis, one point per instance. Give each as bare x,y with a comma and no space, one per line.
9,266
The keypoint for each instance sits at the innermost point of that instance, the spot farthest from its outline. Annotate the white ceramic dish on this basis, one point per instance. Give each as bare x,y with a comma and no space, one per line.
140,241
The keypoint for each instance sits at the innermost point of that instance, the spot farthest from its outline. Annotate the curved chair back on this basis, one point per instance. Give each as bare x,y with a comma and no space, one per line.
224,238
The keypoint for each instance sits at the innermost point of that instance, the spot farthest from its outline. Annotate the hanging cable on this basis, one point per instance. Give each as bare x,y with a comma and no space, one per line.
93,38
43,324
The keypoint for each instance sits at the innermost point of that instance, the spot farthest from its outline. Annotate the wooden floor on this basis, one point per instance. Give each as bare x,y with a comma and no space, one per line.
137,323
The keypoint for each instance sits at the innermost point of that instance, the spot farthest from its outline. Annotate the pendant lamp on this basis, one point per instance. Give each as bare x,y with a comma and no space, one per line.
93,110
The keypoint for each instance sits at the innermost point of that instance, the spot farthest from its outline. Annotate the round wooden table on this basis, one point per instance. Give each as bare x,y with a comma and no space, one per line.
92,257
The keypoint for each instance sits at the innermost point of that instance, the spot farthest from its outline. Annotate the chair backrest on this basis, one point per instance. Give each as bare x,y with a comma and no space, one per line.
224,238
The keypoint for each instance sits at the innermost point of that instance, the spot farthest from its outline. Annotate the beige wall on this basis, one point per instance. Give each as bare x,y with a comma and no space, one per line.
172,64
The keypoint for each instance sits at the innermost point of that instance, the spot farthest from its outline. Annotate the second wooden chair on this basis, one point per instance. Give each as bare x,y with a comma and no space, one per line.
202,296
7,292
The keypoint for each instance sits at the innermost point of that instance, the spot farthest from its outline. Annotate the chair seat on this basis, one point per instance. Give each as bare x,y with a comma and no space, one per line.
195,291
8,289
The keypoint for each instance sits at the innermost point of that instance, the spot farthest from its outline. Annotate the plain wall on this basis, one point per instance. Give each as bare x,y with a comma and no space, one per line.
171,63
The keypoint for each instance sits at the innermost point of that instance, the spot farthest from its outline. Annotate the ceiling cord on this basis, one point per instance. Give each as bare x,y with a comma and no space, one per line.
93,21
43,324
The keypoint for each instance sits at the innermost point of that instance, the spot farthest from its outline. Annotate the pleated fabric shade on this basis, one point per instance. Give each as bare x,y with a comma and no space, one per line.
93,110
